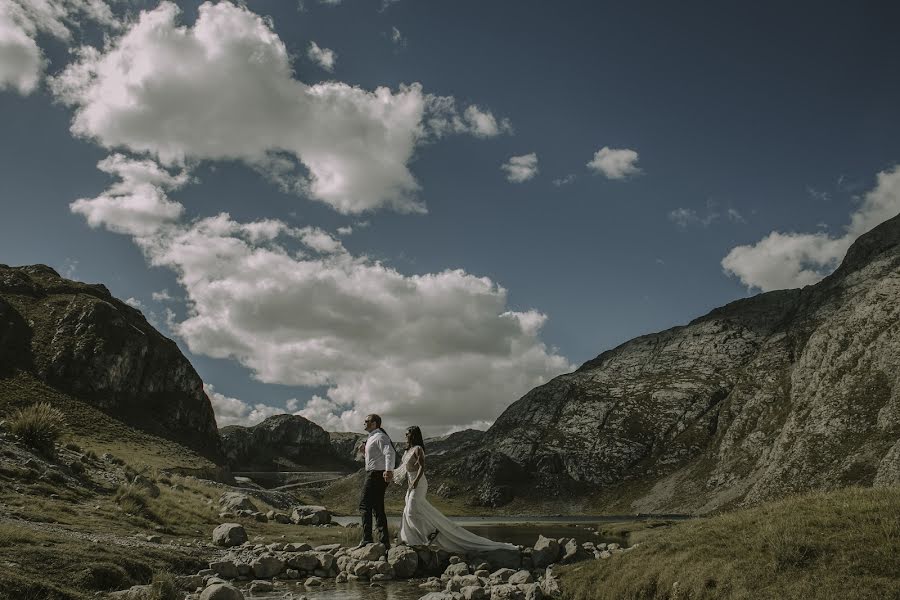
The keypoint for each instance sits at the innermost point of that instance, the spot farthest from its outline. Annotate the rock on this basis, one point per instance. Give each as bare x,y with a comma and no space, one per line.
145,485
505,591
368,552
313,582
473,592
545,552
304,561
136,592
510,558
520,577
404,560
456,568
262,518
221,592
154,539
226,569
229,534
310,515
189,583
433,584
550,585
297,547
266,567
260,587
243,569
501,575
442,596
458,582
381,577
330,548
572,552
236,501
341,577
532,591
612,547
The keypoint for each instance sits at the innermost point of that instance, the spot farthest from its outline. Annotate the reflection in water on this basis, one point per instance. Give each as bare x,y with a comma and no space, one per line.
388,590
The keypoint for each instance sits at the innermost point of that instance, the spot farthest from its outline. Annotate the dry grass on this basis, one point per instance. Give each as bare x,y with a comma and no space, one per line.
38,425
822,545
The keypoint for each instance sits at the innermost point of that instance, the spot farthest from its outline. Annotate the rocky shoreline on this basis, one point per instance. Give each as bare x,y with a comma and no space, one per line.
523,574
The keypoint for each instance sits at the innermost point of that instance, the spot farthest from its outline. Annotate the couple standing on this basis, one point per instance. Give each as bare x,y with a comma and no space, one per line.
421,523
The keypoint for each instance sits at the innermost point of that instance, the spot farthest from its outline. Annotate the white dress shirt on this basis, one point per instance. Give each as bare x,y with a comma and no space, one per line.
379,452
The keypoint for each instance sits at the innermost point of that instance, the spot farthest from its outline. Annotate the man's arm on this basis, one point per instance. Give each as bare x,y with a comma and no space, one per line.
389,458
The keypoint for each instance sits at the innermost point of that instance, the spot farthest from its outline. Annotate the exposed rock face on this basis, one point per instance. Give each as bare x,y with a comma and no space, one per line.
457,441
287,442
348,445
79,339
783,392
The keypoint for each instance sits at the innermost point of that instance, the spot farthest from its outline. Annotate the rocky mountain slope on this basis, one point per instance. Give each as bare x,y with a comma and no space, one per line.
78,339
786,391
288,443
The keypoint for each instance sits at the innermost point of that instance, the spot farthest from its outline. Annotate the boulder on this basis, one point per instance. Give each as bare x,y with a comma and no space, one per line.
520,577
572,552
501,576
313,582
473,592
545,552
532,591
304,561
189,583
260,586
506,591
236,501
458,568
221,592
368,552
442,596
297,547
404,560
510,558
310,515
229,534
266,567
225,569
137,592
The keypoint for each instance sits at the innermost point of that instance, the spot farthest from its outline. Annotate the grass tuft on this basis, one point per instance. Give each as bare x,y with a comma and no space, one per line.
38,425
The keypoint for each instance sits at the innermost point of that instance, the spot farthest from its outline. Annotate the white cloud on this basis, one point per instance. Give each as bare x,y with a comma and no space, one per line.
162,296
561,181
137,205
151,316
232,411
615,163
22,62
397,38
439,349
521,168
684,217
224,89
444,117
323,57
787,260
346,230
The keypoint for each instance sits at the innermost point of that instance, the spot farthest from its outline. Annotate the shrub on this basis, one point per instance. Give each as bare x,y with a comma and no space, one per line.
73,447
132,501
164,587
38,425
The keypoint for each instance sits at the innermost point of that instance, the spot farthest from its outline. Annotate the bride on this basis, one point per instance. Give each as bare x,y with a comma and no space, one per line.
422,523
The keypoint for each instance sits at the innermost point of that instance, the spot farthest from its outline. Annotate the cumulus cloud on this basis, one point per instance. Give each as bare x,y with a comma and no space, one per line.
444,118
615,163
438,349
561,181
232,411
137,204
22,62
397,37
323,57
787,260
162,296
223,89
521,168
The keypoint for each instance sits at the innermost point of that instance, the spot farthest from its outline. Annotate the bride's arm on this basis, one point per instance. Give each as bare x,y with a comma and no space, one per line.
420,464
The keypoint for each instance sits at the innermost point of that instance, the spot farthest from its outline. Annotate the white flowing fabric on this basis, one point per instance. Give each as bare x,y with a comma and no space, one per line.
420,518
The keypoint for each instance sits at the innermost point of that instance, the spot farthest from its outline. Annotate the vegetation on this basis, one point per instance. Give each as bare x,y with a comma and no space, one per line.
821,545
39,425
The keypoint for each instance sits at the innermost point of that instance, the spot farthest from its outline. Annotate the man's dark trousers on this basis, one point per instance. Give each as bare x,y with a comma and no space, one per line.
372,501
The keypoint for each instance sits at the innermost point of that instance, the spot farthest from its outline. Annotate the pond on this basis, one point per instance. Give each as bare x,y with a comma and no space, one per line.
352,590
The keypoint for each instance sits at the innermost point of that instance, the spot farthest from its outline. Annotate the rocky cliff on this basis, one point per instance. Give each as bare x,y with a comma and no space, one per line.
783,392
285,443
78,339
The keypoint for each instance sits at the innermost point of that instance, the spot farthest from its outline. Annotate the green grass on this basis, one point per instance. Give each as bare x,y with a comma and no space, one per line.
833,545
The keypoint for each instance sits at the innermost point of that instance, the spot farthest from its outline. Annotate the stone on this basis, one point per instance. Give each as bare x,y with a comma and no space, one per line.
404,560
442,596
433,584
226,569
369,552
154,539
550,585
243,568
261,587
381,577
458,582
236,501
510,558
313,582
505,591
304,561
532,591
473,592
136,592
229,534
297,547
572,552
546,552
457,568
310,515
501,575
221,592
330,548
189,582
266,567
520,577
146,486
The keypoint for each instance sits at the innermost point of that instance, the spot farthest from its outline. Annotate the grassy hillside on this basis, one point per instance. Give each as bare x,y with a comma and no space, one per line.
836,545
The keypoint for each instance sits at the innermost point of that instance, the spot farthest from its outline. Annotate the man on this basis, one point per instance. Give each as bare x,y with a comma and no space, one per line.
380,458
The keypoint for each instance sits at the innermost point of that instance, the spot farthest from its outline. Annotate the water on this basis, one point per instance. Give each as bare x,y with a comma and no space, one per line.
352,590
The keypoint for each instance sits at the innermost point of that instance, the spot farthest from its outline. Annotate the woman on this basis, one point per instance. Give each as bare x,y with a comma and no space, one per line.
422,523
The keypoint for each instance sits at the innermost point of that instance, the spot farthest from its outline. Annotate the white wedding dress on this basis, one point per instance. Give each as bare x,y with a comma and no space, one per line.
420,519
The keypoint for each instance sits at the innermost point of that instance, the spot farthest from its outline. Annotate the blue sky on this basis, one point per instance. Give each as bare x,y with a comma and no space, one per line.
668,159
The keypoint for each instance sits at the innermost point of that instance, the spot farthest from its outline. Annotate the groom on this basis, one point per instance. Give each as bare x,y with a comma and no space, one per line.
380,457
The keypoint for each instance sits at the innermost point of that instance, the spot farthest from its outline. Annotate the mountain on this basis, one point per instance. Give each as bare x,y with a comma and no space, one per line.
285,443
779,393
77,339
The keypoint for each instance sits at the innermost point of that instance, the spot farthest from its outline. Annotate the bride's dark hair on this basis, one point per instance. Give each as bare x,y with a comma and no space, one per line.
415,437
